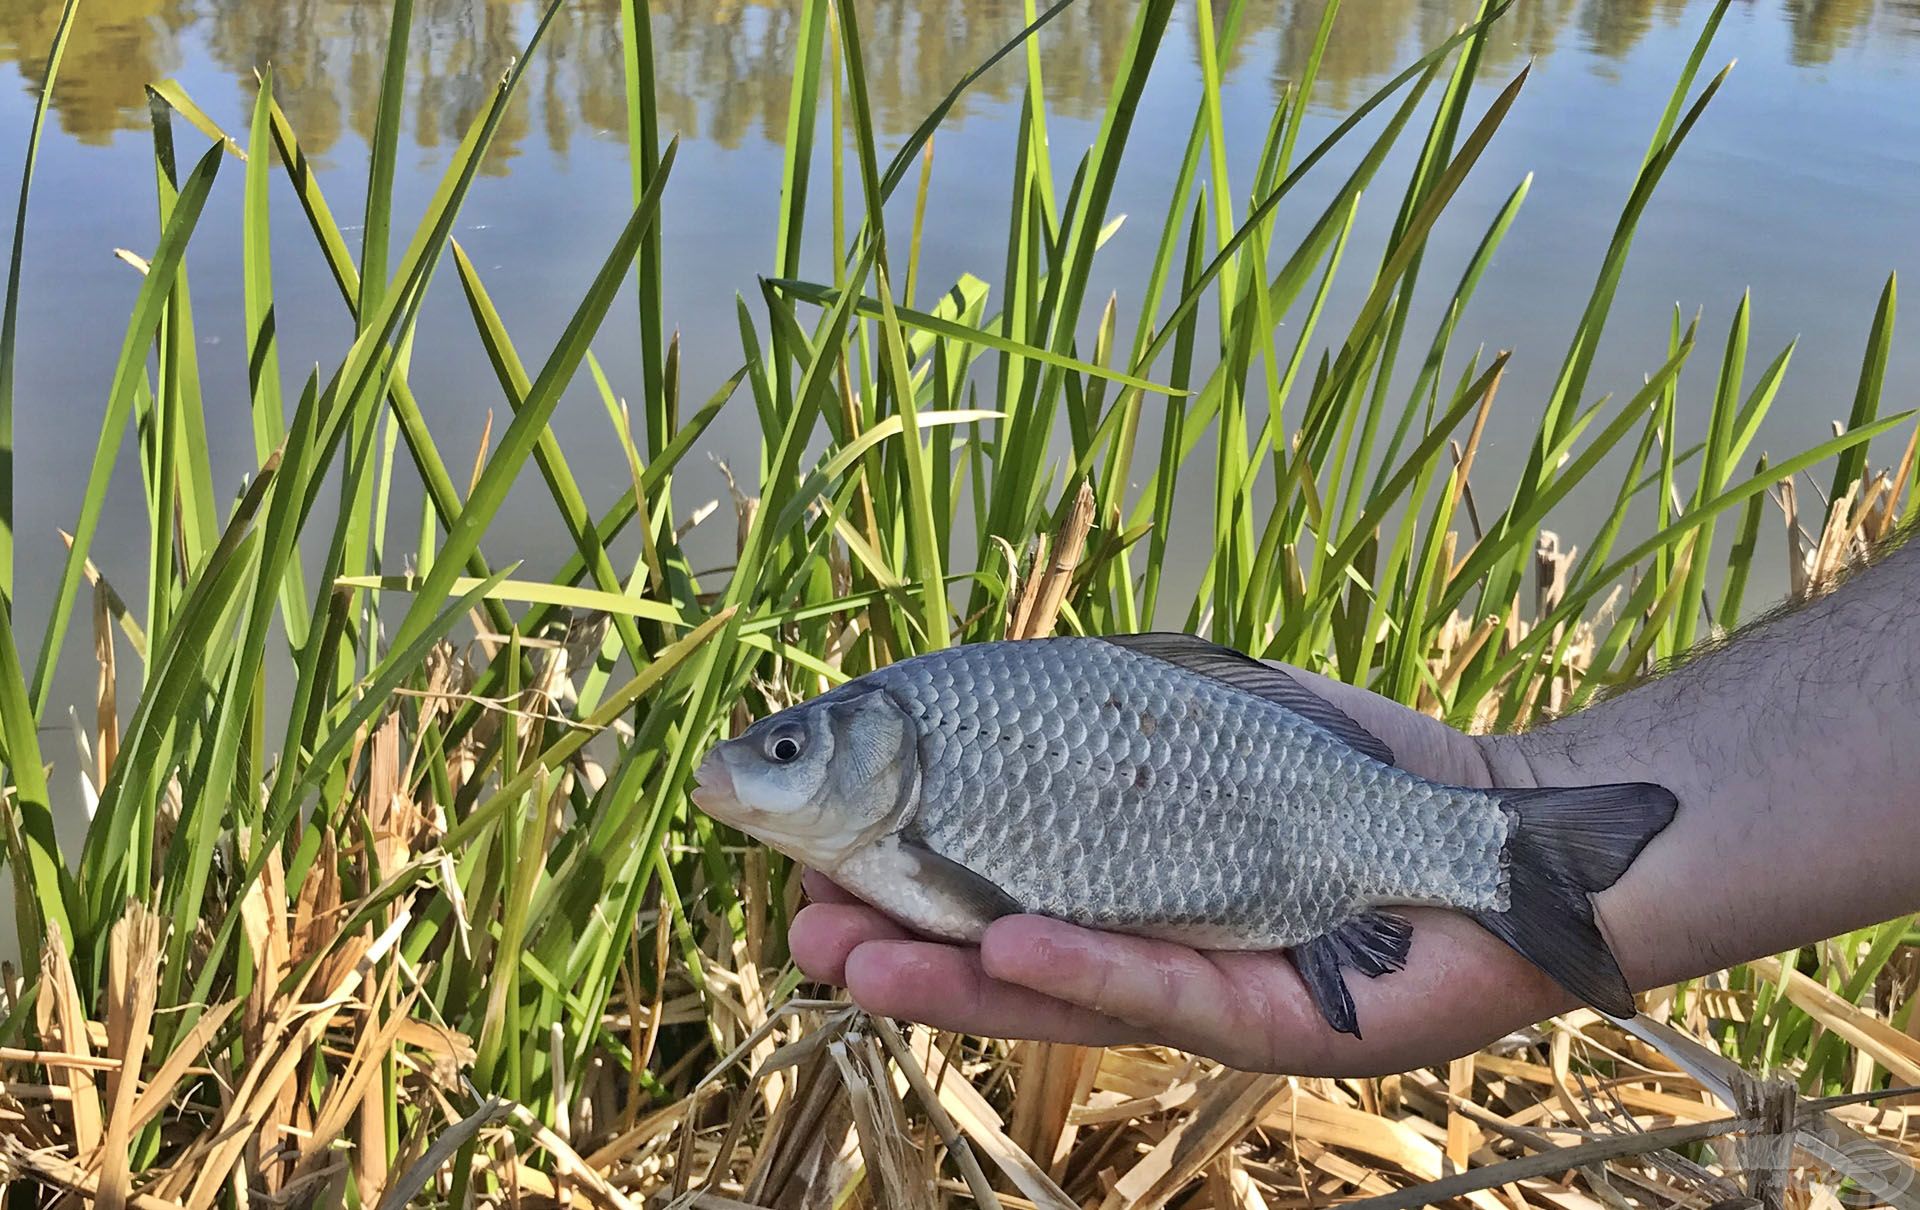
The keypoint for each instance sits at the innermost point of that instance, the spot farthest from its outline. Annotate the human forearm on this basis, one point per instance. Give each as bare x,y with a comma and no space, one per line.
1794,750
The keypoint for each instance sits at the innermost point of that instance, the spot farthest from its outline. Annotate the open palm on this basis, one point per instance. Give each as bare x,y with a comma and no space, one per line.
1039,978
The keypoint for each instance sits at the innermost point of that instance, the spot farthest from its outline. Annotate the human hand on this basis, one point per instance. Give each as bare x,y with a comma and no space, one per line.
1038,978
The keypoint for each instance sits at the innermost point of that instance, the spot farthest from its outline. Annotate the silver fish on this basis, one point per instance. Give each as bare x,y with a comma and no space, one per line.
1164,786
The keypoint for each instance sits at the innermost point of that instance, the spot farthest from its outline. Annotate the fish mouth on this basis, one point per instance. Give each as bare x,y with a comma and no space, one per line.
713,788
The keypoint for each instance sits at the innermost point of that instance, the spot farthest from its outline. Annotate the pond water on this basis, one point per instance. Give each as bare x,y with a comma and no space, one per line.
1799,183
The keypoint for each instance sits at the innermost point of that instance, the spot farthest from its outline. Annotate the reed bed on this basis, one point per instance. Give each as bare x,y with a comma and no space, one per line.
445,929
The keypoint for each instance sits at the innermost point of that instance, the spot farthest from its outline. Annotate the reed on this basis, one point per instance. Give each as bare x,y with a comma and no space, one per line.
446,929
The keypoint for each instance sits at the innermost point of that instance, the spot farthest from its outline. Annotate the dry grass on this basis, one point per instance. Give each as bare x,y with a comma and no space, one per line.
810,1103
837,1108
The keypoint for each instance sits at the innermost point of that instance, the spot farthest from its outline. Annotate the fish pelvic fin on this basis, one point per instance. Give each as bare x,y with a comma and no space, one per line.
1563,845
1372,943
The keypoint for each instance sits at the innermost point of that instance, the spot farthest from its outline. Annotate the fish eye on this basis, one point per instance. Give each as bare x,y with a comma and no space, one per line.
786,744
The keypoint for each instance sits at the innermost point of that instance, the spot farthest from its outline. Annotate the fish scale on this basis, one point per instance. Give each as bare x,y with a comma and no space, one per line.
1120,790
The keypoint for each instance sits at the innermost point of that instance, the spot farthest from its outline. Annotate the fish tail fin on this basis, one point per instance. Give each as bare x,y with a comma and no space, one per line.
1565,844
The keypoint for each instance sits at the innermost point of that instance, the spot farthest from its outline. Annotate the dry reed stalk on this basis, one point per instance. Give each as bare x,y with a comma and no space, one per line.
116,605
18,1160
1787,496
1053,1077
191,1046
1458,643
1037,610
1103,1106
883,1144
915,1077
421,1171
317,910
480,453
1560,1063
61,1017
571,1168
1230,1188
1463,457
263,922
741,971
975,1118
1352,1129
1026,589
1902,475
808,1142
1459,1131
1552,566
106,705
1832,553
1864,514
1632,1095
295,1030
133,959
393,824
1226,1109
353,1087
55,1058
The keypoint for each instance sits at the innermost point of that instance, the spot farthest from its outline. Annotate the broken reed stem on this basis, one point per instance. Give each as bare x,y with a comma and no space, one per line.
1551,1163
1566,1159
1045,592
957,1146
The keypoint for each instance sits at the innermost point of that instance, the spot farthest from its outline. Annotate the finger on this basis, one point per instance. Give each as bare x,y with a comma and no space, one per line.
944,986
822,889
1156,985
823,934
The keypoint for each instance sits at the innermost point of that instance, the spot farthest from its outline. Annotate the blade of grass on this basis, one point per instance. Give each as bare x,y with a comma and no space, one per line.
1666,537
868,308
152,300
381,151
1852,464
10,314
531,420
643,159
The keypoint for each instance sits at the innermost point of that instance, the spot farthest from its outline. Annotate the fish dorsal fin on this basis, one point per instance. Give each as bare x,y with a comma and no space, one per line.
1249,675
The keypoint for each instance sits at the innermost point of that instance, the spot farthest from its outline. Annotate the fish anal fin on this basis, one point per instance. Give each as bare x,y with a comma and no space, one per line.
1373,943
1243,672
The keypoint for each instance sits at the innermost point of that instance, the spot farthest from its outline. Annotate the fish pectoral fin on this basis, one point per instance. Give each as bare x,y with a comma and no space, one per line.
947,879
1259,678
1372,943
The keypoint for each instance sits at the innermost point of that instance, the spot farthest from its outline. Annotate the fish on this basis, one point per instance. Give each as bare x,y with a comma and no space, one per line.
1165,786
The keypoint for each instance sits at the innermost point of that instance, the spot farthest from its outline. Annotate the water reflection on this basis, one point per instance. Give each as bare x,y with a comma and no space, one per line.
724,65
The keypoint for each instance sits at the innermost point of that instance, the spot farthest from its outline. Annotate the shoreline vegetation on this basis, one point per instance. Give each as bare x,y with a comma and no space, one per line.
445,929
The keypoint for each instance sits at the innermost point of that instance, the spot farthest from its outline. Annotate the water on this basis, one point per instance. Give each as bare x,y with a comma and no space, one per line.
1798,183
